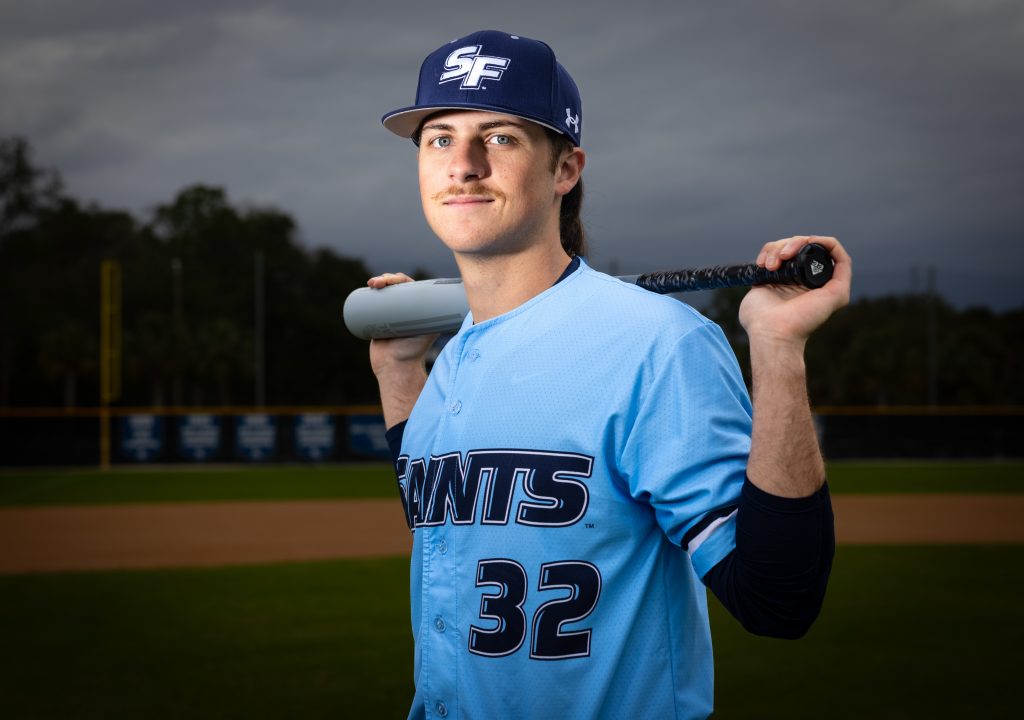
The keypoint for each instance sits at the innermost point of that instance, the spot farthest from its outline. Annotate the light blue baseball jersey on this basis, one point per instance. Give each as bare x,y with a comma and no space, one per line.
570,471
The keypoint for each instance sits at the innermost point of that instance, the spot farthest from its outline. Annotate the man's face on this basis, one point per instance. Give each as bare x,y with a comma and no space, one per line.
486,182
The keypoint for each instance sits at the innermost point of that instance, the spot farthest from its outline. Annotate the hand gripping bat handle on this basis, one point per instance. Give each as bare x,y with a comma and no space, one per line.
811,267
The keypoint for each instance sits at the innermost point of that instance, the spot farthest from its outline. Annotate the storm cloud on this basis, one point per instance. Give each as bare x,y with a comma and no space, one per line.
710,127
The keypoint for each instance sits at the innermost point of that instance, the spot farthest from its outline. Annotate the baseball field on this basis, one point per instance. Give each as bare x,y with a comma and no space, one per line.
920,625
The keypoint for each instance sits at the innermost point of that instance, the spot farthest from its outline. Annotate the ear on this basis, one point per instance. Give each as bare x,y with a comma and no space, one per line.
568,170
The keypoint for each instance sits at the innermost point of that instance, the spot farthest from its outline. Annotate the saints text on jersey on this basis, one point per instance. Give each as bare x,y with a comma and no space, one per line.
480,488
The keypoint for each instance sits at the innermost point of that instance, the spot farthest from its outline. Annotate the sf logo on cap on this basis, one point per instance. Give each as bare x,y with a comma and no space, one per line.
467,63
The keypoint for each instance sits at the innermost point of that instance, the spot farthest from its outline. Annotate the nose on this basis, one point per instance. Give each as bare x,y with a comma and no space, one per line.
468,162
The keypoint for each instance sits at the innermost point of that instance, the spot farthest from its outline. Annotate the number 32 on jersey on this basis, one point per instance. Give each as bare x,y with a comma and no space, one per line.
504,606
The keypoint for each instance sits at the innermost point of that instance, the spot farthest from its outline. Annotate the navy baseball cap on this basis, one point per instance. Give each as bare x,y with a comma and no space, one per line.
495,71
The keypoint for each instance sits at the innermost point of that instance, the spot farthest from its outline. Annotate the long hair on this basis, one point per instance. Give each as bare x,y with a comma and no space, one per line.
570,226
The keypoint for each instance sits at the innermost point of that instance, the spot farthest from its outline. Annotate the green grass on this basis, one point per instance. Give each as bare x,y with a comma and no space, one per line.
907,632
308,640
205,483
911,476
202,483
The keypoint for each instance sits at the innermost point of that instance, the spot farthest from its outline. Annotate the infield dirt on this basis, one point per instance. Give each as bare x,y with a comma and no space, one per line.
56,539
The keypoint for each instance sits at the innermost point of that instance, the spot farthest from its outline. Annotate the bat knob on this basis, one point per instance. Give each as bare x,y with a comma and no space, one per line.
812,266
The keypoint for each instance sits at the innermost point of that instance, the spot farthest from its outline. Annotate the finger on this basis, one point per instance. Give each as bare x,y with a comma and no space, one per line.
386,279
780,251
834,247
772,251
842,271
793,245
767,250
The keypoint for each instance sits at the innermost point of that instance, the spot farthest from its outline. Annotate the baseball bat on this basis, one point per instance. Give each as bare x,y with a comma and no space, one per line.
427,307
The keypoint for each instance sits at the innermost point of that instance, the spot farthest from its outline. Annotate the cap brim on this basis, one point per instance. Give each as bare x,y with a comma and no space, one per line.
404,122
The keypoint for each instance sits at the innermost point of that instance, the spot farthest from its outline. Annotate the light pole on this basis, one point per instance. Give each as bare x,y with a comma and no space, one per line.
110,350
259,311
932,329
177,334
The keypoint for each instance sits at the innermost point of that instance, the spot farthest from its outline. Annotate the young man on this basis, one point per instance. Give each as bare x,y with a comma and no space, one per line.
583,458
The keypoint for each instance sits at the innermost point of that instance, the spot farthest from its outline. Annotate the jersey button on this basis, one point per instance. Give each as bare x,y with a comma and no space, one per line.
442,711
439,624
474,355
442,547
455,407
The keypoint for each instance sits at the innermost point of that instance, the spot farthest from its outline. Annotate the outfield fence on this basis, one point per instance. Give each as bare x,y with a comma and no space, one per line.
48,436
57,436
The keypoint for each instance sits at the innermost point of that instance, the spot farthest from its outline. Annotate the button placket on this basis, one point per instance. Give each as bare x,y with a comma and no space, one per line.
443,642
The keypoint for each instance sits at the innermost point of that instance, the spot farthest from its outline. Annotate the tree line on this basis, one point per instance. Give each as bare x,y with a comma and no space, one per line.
189,313
188,308
911,349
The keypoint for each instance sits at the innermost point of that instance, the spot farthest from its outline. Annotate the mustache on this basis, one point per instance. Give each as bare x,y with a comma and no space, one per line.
459,190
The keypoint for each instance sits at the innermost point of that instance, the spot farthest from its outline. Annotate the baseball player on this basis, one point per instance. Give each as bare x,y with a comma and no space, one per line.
583,459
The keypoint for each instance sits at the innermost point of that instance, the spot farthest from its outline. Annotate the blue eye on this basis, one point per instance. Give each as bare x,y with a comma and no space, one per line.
501,140
441,141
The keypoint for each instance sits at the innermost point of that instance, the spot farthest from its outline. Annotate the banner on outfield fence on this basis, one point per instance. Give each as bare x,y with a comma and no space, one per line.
256,437
314,436
199,436
142,437
366,436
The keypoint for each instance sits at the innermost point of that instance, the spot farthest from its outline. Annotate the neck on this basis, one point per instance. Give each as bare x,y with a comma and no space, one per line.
499,283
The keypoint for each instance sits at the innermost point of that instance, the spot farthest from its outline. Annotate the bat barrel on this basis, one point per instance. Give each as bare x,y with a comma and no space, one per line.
425,307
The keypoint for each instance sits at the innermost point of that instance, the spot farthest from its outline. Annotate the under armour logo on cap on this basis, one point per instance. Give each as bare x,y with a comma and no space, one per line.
467,63
572,120
496,72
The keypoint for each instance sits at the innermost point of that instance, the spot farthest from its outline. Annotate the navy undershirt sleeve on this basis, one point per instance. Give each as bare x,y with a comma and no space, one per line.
774,581
394,438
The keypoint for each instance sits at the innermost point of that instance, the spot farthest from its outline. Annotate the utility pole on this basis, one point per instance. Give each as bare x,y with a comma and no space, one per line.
259,329
177,394
933,360
110,350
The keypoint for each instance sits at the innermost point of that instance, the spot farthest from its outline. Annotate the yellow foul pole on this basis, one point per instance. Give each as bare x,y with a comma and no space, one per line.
110,350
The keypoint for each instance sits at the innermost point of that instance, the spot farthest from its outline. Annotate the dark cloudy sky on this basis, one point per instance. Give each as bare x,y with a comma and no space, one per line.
711,127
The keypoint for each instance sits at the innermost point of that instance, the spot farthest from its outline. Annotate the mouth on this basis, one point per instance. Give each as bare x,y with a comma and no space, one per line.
466,195
467,200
